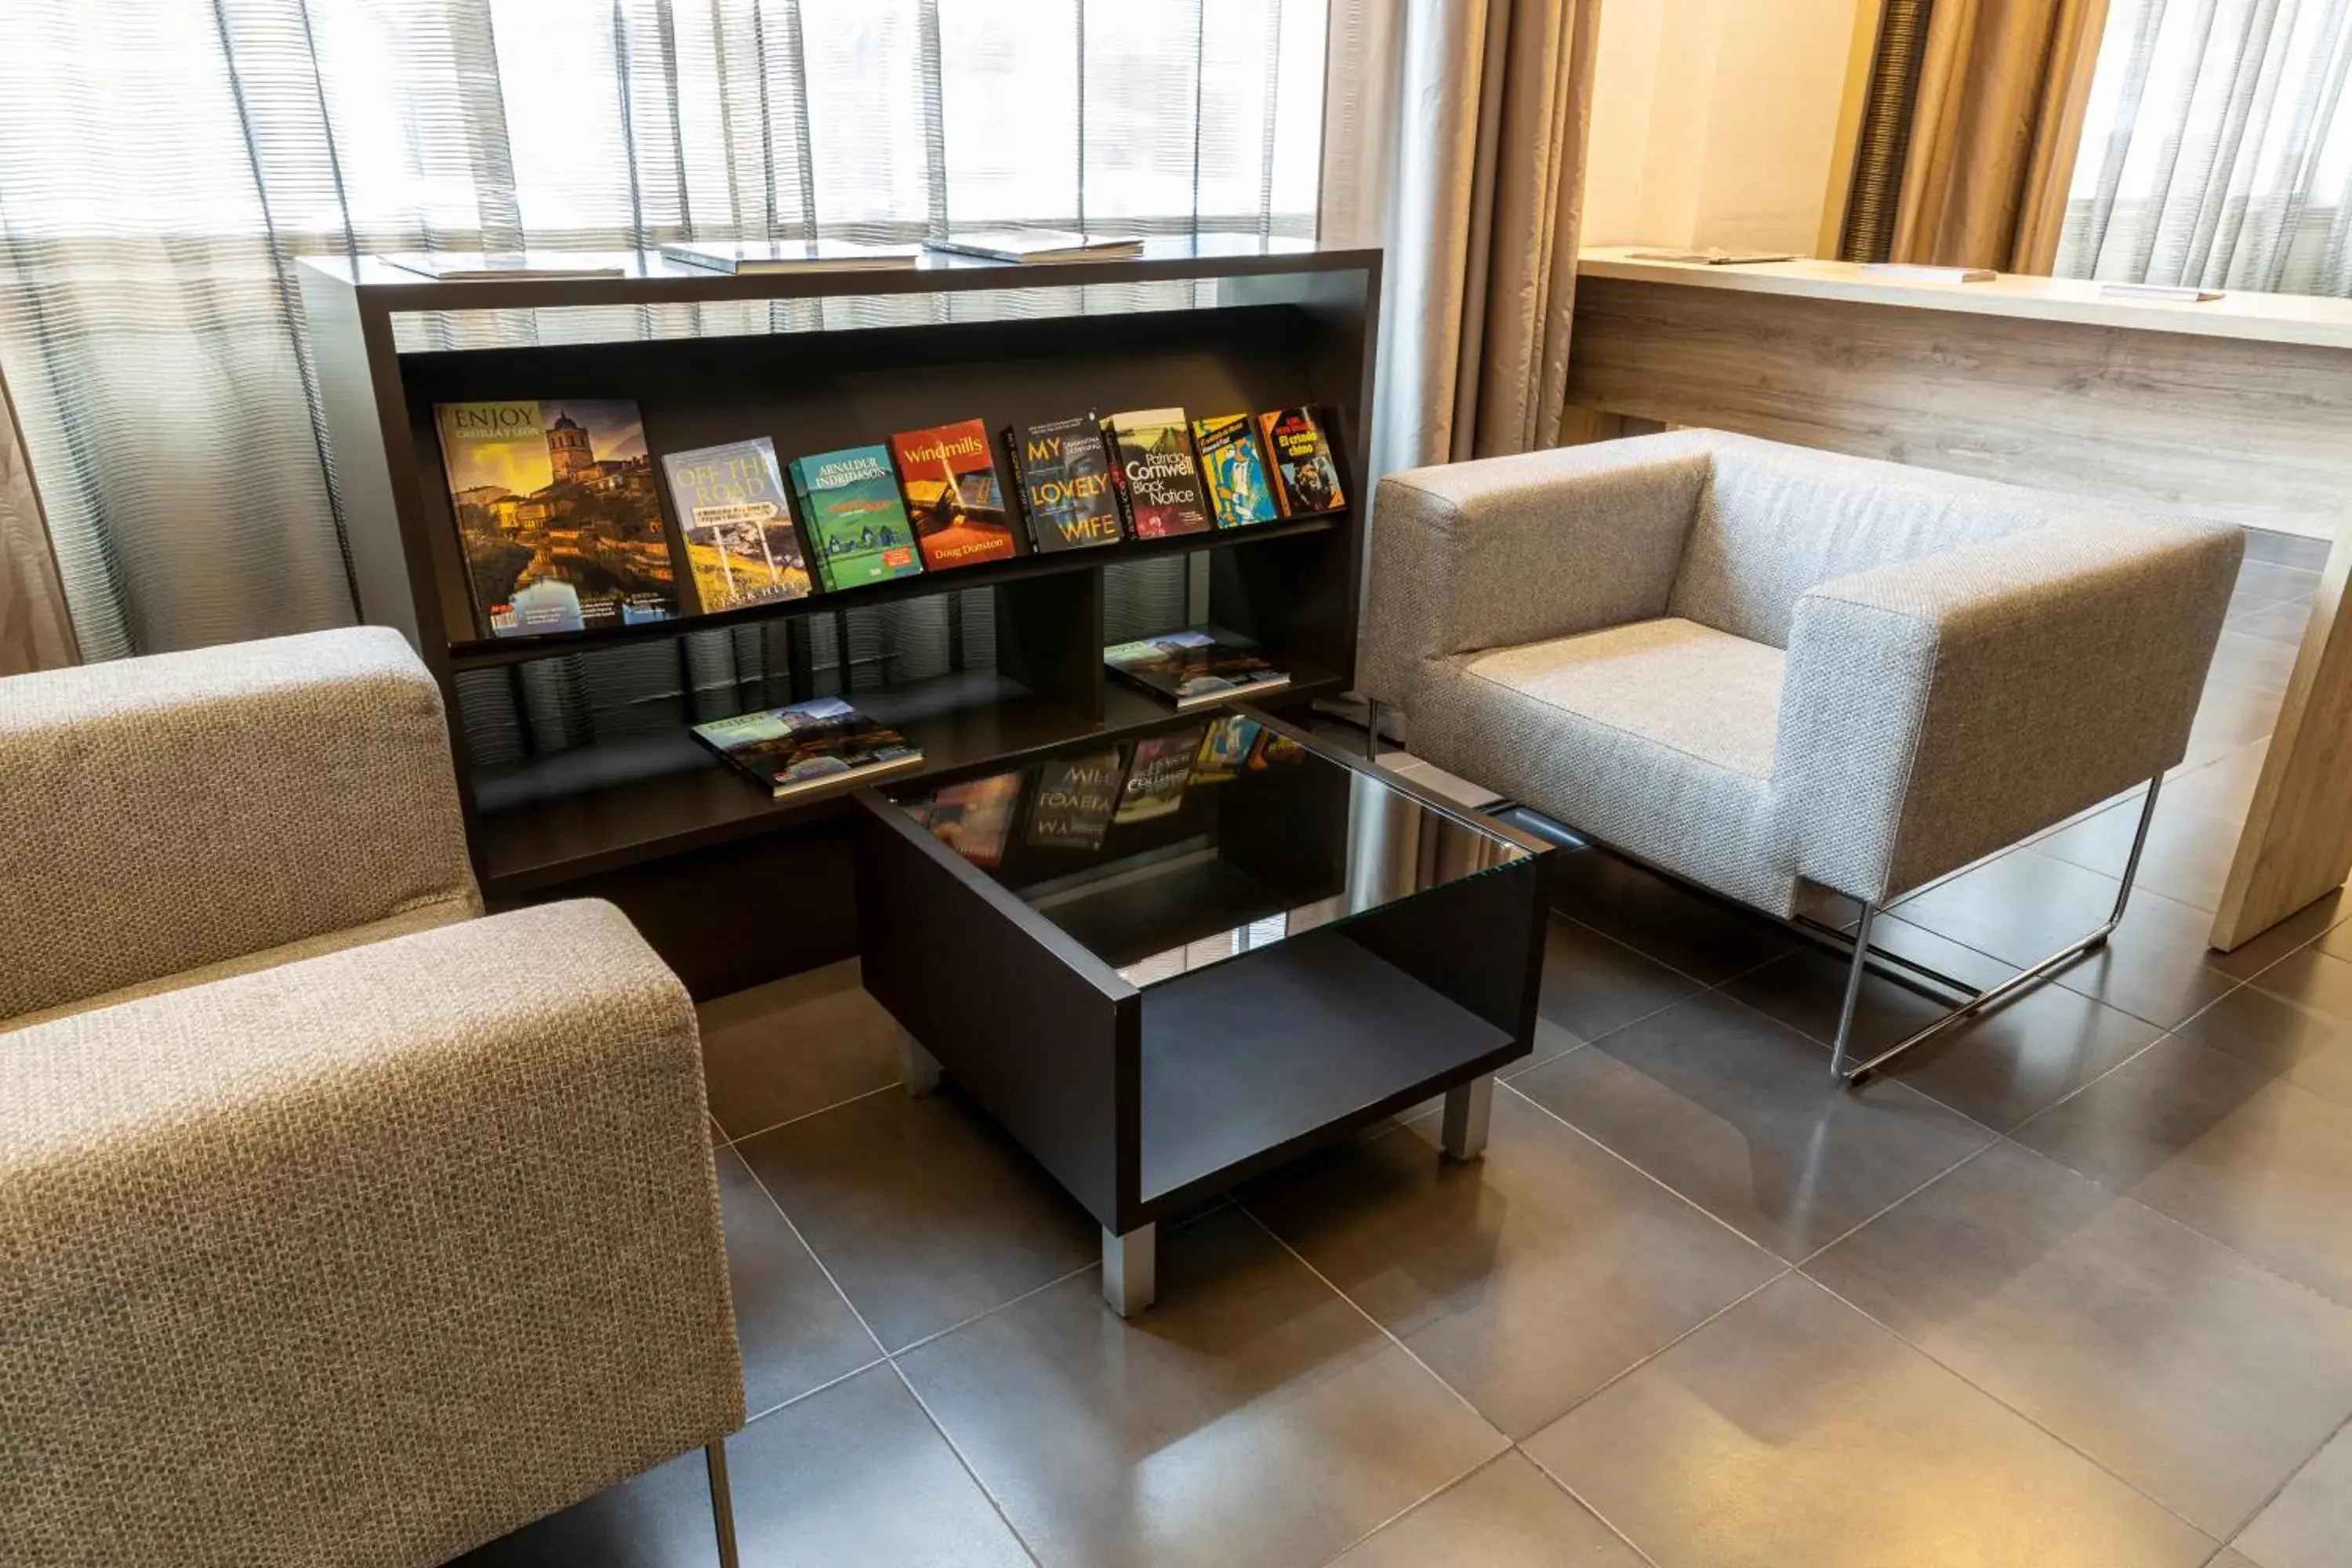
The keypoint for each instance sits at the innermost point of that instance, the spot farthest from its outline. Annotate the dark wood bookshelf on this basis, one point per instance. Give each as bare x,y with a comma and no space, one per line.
731,886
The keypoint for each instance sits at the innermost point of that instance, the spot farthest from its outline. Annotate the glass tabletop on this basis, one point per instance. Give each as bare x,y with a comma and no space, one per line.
1201,840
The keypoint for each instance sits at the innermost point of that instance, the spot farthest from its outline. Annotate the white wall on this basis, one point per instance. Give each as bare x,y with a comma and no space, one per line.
1721,122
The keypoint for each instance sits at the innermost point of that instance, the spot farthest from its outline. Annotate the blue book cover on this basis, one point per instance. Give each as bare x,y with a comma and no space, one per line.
740,544
1234,469
858,524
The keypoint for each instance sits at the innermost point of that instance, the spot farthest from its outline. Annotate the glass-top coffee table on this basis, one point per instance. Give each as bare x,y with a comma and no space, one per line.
1170,963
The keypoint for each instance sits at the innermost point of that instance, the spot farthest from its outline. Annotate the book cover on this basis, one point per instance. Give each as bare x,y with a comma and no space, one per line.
1075,798
1151,464
1226,749
741,548
1156,774
974,818
857,527
1232,470
557,515
790,256
804,746
1037,245
1306,478
1190,668
1065,487
954,495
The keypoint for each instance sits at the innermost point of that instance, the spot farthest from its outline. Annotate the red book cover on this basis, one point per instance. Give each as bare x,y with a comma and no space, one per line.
954,495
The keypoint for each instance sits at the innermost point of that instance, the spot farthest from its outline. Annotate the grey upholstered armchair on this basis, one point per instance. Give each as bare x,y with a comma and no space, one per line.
337,1224
1754,666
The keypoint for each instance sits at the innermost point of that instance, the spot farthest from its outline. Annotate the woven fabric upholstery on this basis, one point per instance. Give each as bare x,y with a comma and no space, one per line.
1520,549
362,1259
163,813
1966,662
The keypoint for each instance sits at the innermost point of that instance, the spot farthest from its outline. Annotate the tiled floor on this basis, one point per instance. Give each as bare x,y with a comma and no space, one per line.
2074,1287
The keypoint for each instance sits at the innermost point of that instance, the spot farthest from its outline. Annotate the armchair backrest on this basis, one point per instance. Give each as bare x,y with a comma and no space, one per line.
1776,521
161,815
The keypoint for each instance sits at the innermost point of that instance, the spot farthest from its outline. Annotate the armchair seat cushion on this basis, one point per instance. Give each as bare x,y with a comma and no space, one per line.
1657,737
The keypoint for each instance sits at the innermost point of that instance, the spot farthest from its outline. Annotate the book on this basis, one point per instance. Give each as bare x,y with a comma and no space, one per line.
857,527
1065,485
1713,256
1158,772
974,818
481,267
791,256
2184,293
1921,272
1152,471
1030,245
557,515
1074,801
954,495
1232,470
1226,749
1305,477
741,548
1193,668
807,745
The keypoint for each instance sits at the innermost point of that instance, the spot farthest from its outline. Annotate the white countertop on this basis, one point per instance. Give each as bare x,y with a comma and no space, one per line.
2313,319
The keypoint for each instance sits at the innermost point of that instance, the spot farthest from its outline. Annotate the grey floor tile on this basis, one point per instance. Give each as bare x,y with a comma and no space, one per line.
1792,1431
2197,1376
1508,1515
1593,984
2221,787
2228,1148
2226,1558
1252,1417
2230,716
2311,978
659,1519
1738,1112
2285,1039
1686,930
1526,1279
2283,579
2309,1523
1999,1067
796,1331
2319,923
2246,603
2186,858
2285,622
924,1210
798,1045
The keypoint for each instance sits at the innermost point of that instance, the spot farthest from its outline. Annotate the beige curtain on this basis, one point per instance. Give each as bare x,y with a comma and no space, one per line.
1999,110
35,633
1455,138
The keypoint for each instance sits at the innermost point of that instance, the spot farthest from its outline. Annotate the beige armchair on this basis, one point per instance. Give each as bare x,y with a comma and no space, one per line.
1757,667
338,1225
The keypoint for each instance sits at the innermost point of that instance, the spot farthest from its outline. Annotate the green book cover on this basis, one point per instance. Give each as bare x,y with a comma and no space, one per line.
857,525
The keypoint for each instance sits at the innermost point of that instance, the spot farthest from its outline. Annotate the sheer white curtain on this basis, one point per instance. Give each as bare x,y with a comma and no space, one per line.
2217,148
161,161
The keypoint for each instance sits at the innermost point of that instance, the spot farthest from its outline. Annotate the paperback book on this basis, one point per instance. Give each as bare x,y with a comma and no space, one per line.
1152,467
557,515
1226,749
1156,774
1075,798
974,818
954,496
741,548
808,745
1307,478
1194,668
1065,487
1232,469
857,527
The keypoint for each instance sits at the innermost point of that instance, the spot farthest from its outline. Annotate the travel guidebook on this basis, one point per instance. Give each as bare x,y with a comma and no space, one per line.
1233,470
806,745
857,528
974,818
1157,773
557,515
1306,478
1074,801
740,544
954,495
1151,465
1066,488
1194,668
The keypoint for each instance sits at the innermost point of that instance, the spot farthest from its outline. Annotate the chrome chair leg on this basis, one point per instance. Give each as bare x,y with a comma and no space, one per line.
1842,1050
722,1503
1372,730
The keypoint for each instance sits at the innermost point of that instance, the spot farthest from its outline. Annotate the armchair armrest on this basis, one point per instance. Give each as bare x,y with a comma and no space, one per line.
1940,708
1525,548
167,813
368,1257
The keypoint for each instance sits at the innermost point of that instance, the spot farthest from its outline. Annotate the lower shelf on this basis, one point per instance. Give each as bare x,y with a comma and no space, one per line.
595,808
1243,1064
